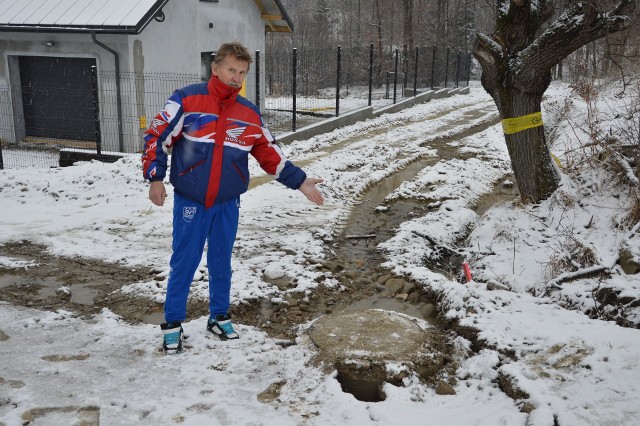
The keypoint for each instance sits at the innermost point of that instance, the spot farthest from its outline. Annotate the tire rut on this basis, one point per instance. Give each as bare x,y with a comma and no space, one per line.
354,262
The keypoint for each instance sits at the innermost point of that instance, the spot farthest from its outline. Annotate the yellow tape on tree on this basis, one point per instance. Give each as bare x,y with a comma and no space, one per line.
518,124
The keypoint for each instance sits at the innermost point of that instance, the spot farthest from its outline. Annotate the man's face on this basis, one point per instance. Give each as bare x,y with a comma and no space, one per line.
232,71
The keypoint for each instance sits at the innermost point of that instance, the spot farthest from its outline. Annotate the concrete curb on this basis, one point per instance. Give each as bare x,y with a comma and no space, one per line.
361,114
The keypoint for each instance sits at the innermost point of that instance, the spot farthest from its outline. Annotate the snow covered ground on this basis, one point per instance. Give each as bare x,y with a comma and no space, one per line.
537,340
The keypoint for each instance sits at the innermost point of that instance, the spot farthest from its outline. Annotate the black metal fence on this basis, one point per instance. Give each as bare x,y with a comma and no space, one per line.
303,87
293,91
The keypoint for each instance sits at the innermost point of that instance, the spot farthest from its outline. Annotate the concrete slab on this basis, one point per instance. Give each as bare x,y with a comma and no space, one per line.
373,334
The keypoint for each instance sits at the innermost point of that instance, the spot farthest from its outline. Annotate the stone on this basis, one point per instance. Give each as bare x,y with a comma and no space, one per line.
352,274
402,297
272,392
629,262
292,301
384,278
428,311
413,298
395,285
408,287
444,388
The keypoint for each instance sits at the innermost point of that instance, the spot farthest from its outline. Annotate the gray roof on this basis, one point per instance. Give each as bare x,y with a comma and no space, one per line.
103,16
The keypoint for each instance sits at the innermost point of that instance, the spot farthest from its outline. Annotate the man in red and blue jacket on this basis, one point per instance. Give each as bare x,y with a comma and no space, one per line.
210,130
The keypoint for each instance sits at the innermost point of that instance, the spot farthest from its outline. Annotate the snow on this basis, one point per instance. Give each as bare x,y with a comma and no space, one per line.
574,370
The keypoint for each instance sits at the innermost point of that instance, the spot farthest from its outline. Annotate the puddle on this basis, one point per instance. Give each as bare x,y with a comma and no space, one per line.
87,416
49,287
84,286
155,318
504,191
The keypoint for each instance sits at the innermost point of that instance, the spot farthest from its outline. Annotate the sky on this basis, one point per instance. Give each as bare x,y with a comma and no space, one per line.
59,368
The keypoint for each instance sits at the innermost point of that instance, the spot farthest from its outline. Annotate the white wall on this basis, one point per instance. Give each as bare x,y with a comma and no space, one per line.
175,44
172,46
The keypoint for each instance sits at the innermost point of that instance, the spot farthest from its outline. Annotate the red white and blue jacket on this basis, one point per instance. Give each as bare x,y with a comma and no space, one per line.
210,130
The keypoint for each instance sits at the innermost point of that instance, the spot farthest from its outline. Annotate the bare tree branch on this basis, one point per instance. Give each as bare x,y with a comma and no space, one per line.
577,27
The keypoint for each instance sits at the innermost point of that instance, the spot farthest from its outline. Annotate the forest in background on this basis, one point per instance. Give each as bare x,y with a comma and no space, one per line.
322,25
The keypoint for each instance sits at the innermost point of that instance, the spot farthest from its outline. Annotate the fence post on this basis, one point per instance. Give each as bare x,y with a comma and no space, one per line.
1,159
294,88
446,70
433,66
270,84
395,78
258,79
458,69
348,81
339,60
415,75
96,111
370,71
469,68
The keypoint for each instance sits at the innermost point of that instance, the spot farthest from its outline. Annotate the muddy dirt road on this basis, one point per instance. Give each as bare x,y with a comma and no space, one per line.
87,286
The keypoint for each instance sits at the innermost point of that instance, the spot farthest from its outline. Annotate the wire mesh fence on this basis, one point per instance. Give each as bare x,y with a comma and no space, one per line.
293,90
302,87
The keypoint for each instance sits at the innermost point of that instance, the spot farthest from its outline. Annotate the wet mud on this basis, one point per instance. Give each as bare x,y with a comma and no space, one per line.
86,286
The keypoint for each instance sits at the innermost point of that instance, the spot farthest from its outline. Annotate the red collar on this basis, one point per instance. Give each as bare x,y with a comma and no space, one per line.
225,94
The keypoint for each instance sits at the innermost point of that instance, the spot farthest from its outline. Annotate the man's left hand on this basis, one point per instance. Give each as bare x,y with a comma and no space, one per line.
308,188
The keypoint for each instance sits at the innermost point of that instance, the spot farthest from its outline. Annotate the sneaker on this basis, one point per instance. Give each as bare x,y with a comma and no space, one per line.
172,333
221,326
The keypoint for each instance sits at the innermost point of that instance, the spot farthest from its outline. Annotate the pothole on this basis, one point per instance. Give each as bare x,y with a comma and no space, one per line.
369,348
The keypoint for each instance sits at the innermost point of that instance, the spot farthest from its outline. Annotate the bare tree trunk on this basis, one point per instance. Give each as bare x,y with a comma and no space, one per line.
560,76
516,71
529,147
359,35
441,21
594,59
379,21
407,36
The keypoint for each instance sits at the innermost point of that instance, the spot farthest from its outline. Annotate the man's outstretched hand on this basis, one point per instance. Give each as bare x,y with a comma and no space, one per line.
308,188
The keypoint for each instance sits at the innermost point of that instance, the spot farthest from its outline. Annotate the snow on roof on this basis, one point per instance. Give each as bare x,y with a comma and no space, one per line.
113,16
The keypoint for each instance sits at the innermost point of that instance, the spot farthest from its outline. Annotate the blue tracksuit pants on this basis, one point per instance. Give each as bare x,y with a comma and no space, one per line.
193,225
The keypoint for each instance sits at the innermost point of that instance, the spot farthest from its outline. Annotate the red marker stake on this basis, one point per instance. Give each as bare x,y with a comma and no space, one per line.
467,271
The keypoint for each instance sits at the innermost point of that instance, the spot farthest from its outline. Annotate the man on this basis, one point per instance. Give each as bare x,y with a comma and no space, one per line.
210,130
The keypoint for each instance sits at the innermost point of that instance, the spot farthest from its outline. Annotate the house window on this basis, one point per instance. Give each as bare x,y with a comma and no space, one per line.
206,58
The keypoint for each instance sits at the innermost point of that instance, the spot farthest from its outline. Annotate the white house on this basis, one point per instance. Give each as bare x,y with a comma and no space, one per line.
86,70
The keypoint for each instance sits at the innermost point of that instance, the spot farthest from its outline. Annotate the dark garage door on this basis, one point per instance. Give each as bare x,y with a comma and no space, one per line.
57,97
